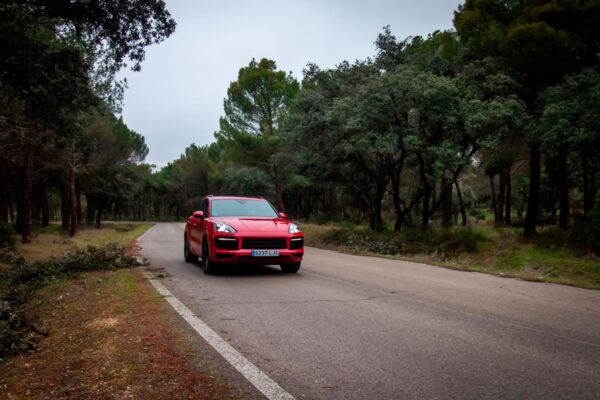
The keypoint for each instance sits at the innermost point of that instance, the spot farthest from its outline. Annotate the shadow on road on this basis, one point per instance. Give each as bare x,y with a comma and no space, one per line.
236,270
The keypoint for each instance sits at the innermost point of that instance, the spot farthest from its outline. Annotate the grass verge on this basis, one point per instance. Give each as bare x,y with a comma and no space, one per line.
108,333
481,248
51,242
107,339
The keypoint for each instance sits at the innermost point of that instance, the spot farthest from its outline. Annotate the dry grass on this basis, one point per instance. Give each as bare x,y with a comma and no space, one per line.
50,241
107,339
110,335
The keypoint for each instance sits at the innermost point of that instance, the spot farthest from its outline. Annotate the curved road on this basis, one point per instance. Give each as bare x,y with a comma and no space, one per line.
350,327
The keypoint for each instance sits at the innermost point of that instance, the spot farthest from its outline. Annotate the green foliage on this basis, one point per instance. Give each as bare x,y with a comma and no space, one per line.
592,233
477,214
442,243
17,328
246,181
6,235
570,116
256,103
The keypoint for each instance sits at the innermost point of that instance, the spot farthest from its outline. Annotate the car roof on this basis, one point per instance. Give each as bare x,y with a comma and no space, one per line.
235,198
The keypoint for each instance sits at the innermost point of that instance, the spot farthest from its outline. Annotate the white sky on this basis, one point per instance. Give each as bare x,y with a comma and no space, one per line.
177,98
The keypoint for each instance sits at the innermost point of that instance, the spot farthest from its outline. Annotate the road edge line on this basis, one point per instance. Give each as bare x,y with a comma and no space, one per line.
268,387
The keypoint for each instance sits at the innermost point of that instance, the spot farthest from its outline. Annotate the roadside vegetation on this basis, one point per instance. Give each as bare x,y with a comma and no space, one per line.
70,316
429,134
426,130
502,251
54,257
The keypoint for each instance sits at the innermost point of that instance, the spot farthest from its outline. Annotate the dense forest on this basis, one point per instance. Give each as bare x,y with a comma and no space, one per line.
60,141
501,114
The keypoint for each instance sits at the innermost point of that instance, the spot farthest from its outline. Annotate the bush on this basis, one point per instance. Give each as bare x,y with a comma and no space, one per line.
459,241
445,242
125,228
477,214
6,235
17,331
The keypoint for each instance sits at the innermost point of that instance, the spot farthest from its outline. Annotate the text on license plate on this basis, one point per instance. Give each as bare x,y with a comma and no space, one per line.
265,253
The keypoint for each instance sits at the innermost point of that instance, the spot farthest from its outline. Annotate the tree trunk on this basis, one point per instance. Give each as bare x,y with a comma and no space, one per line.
27,195
4,199
376,221
494,207
563,191
19,217
507,181
588,198
11,212
78,204
278,189
463,212
37,205
427,191
533,200
89,210
501,198
72,202
45,205
395,178
99,216
446,192
64,206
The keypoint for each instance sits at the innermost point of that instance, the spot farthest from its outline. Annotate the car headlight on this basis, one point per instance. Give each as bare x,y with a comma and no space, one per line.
293,228
221,227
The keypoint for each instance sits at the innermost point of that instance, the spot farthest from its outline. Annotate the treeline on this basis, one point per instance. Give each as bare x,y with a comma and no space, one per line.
60,141
502,114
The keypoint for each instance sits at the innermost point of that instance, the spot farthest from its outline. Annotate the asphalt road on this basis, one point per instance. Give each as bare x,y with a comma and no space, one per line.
350,327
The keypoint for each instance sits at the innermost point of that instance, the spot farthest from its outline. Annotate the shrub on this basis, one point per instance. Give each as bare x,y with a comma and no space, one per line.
125,228
459,241
17,331
477,214
6,235
443,242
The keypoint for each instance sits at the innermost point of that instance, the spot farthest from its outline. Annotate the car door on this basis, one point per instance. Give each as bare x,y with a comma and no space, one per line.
195,231
202,224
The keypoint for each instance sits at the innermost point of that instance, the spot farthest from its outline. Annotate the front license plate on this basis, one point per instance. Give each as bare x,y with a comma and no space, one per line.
265,253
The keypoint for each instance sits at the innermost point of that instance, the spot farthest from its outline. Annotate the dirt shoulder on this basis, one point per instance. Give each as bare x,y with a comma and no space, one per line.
110,335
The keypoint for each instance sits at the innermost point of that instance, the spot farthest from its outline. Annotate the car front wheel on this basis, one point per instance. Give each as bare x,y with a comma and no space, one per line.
208,266
187,253
290,268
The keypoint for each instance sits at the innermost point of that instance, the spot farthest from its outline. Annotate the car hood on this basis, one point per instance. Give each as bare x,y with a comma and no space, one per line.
249,224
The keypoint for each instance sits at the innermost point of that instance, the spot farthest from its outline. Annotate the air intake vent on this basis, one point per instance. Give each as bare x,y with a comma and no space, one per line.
226,243
262,243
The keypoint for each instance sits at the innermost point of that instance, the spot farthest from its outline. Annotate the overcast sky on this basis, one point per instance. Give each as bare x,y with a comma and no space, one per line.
177,98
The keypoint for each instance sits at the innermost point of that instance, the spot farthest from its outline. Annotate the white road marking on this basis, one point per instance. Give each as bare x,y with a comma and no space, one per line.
255,376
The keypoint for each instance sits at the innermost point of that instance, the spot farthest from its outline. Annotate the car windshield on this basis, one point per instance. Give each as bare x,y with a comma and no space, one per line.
242,208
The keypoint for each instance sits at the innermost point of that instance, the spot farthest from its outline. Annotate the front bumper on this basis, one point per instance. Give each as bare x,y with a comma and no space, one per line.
290,254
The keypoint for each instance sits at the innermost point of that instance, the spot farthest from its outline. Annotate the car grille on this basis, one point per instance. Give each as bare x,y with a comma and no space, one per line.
260,243
296,243
226,243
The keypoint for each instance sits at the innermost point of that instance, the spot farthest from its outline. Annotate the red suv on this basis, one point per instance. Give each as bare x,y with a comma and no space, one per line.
242,230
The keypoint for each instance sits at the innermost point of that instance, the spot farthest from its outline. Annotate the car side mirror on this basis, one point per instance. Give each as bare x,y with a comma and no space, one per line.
283,215
198,214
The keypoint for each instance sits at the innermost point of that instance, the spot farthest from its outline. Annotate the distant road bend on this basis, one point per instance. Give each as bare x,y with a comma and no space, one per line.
350,327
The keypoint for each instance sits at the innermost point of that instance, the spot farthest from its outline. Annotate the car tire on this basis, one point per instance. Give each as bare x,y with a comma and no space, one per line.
290,268
187,253
208,266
